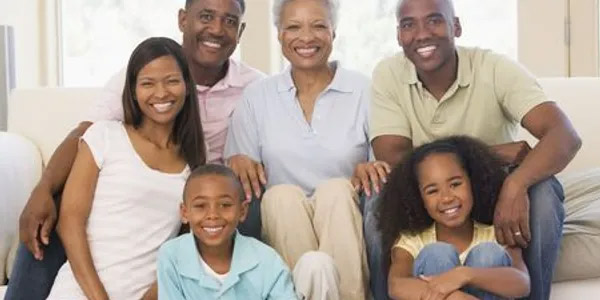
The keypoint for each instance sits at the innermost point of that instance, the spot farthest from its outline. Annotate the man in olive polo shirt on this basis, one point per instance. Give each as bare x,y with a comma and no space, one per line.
435,89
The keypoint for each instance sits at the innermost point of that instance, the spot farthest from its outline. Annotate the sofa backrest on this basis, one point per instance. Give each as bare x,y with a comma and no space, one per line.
47,115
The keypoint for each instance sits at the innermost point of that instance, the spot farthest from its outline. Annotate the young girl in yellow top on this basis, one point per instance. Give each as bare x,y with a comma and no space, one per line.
435,216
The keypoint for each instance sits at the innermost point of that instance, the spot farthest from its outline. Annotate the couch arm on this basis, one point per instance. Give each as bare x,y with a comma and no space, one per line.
20,170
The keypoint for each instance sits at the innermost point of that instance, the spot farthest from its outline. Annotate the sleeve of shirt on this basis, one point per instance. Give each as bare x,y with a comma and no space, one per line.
108,105
242,136
409,243
282,287
386,114
97,139
517,90
169,285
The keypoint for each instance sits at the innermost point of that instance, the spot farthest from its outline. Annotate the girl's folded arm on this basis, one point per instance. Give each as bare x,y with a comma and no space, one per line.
401,284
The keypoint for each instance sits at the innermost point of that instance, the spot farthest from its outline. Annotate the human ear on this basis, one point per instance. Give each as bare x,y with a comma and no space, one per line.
183,212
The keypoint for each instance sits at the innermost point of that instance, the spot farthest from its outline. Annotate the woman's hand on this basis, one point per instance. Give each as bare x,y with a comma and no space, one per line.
446,283
251,174
370,174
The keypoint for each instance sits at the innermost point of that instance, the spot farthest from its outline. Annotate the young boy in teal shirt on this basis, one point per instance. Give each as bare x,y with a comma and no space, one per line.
215,261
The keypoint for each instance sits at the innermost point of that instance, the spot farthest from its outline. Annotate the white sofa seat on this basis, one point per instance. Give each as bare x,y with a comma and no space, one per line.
20,169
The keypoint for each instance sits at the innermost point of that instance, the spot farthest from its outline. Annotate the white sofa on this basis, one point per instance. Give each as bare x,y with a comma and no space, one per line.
39,119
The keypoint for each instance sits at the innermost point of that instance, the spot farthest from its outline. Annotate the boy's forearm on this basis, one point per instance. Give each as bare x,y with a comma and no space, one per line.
59,166
507,282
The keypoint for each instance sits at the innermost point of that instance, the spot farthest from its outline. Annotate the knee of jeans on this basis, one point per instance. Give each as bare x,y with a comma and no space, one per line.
439,251
546,203
487,255
436,258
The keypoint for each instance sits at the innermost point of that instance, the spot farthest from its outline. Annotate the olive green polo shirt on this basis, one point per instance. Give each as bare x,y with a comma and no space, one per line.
488,100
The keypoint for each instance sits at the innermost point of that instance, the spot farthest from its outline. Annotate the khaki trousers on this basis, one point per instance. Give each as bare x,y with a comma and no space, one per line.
329,221
316,277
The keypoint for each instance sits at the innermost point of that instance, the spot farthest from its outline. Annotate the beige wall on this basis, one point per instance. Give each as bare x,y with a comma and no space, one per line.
24,17
561,41
542,46
584,49
259,47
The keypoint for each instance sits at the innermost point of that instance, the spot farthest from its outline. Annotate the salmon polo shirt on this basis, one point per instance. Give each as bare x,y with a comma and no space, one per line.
216,104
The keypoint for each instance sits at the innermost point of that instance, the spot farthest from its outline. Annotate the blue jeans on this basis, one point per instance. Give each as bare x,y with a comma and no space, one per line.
440,257
546,220
378,280
252,225
32,279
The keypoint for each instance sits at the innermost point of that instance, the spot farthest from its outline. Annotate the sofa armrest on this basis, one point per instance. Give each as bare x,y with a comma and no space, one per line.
20,170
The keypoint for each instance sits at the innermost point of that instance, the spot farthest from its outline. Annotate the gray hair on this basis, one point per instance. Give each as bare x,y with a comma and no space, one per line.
332,5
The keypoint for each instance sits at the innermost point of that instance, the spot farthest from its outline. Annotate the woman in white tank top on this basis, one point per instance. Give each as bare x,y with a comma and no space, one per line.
121,200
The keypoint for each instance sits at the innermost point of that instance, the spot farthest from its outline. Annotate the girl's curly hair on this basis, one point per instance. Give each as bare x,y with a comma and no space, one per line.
401,209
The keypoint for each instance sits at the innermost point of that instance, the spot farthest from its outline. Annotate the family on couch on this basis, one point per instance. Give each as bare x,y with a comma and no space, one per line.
312,148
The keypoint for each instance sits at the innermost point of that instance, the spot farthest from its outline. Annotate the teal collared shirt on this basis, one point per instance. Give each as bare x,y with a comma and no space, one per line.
257,272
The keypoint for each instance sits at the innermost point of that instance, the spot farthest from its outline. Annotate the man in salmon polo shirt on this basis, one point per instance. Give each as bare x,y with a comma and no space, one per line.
211,31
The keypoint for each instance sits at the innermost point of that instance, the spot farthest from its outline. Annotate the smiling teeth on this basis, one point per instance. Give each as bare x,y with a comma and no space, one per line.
211,44
426,51
306,51
162,107
451,210
212,229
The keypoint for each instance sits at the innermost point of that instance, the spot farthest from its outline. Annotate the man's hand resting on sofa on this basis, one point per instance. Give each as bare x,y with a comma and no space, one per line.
39,215
37,220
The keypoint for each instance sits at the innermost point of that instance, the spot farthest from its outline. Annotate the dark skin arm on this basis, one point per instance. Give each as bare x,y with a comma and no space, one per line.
391,148
40,213
508,282
152,292
75,210
558,144
401,284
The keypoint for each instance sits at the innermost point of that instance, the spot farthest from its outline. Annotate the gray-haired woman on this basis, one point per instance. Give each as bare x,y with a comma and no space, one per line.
303,135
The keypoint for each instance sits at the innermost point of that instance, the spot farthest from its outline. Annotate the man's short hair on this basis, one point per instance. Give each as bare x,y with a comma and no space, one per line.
242,3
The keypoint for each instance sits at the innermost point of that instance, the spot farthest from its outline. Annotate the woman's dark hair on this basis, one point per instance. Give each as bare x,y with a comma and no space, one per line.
401,209
187,130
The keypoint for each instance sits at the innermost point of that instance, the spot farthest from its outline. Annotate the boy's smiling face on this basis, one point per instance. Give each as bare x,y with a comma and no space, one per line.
213,207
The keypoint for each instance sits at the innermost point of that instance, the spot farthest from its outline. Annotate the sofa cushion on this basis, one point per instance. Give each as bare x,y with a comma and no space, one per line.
20,170
580,249
46,115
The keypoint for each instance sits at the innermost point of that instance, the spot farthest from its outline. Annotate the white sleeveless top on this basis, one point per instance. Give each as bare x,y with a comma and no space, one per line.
134,211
